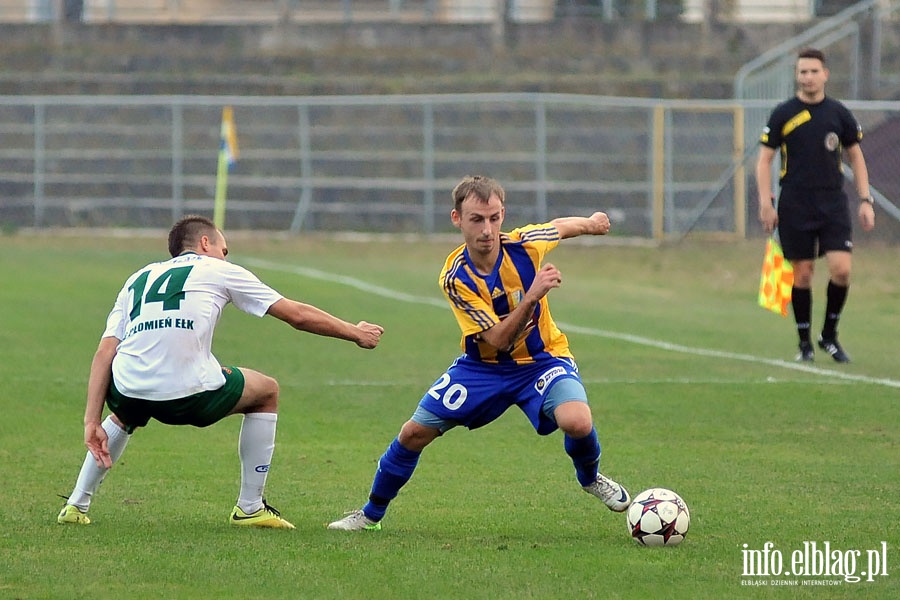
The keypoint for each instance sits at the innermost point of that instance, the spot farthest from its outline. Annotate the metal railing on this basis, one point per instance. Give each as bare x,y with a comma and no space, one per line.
771,75
852,40
661,168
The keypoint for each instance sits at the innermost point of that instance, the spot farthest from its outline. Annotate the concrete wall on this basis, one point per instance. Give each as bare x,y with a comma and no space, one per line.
674,60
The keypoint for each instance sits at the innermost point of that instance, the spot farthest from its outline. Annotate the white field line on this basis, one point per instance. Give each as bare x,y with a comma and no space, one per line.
602,333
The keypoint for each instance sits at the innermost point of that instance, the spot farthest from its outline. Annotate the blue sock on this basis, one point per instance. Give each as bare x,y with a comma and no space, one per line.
585,455
395,468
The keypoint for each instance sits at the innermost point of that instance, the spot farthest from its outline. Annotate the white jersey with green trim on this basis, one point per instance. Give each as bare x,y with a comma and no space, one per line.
165,317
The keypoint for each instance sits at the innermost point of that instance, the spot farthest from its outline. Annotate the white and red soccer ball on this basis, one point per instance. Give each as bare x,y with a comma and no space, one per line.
658,517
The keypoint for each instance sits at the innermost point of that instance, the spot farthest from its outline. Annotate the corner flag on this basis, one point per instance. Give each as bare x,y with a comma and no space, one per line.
776,279
228,154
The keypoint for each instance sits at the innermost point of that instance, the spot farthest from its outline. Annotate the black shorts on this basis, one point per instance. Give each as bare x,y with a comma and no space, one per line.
813,222
200,410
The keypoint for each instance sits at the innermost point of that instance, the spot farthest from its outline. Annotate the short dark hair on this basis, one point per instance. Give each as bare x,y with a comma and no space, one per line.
186,233
812,53
478,185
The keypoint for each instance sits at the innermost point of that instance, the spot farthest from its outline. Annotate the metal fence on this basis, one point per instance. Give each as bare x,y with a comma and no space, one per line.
383,163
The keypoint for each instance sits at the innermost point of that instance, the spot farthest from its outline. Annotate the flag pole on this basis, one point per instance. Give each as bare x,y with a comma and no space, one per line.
228,152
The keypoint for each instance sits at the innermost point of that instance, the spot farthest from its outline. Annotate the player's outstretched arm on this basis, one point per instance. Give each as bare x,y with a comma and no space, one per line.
569,227
306,317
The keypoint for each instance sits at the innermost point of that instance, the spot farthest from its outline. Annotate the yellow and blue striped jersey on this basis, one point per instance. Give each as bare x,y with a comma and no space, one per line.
479,302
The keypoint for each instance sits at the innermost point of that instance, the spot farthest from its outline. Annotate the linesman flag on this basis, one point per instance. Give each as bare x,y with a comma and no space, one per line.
776,280
228,154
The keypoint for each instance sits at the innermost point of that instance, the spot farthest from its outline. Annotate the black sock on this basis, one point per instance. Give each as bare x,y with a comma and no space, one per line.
836,297
801,302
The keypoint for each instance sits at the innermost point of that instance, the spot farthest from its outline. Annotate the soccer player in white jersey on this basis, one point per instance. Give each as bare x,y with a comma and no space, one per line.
513,353
154,361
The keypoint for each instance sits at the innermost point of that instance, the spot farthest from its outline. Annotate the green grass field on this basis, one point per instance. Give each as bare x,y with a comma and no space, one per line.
693,387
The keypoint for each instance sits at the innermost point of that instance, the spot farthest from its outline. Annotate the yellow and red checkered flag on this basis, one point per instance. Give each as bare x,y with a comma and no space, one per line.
776,280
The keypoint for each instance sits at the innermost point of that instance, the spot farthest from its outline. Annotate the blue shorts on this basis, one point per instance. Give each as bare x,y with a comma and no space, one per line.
473,393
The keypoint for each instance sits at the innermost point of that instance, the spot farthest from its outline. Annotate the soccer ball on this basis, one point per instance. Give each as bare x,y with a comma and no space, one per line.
658,517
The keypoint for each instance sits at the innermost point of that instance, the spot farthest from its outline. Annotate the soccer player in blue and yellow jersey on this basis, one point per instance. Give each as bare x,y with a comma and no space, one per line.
813,132
513,352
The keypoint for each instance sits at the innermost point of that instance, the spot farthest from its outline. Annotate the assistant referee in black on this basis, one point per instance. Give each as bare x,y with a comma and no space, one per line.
812,133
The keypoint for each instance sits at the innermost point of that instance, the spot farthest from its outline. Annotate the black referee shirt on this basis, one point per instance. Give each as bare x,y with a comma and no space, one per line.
811,138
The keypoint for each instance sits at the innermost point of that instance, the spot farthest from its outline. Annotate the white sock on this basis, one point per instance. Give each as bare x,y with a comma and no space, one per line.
255,447
91,476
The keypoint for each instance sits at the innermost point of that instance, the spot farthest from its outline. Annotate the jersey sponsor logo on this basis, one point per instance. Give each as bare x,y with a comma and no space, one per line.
165,323
764,138
496,293
832,141
544,381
